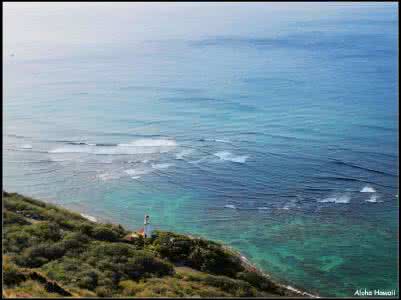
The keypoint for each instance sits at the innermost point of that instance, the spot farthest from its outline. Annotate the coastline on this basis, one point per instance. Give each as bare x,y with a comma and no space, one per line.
245,261
250,266
275,287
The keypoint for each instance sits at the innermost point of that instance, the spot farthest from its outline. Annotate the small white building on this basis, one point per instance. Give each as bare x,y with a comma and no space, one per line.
147,228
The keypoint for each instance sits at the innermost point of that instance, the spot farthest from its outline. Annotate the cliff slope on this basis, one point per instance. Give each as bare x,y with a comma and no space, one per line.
49,251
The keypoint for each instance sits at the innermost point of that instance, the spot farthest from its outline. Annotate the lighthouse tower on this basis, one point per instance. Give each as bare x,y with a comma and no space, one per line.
147,229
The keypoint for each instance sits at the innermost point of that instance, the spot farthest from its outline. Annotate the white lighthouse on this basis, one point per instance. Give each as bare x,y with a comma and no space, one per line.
147,229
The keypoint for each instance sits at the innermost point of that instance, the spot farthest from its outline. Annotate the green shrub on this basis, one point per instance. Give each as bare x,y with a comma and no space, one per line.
105,233
88,279
114,252
30,262
103,292
16,241
72,270
255,279
238,287
29,200
10,217
107,281
75,242
11,274
123,261
49,251
45,231
130,288
85,228
172,246
215,260
61,218
36,256
145,265
206,256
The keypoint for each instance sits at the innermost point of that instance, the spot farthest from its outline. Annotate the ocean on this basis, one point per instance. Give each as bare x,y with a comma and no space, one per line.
270,128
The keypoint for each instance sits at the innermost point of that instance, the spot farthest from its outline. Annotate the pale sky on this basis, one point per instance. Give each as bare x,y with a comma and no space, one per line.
88,23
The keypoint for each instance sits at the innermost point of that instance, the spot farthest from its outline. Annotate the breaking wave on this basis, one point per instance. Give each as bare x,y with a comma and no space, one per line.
344,198
226,155
137,172
373,199
140,146
230,206
215,140
161,166
151,143
368,189
108,176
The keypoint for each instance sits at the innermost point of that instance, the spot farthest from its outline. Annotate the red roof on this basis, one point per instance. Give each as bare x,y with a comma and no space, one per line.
141,230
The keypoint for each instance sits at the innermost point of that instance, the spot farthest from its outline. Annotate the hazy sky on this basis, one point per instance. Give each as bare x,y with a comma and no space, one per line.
84,23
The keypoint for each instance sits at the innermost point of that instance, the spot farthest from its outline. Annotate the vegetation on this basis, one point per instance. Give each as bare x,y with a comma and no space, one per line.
49,251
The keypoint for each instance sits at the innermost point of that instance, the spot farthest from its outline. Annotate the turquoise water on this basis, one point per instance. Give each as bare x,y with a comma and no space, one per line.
271,129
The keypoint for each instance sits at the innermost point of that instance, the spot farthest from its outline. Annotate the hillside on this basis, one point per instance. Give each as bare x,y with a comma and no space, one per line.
49,251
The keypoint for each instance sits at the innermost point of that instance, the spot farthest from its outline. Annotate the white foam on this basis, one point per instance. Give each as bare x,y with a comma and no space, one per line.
289,205
344,198
263,208
300,292
59,159
222,141
218,140
150,143
107,176
367,189
226,155
141,146
183,153
26,146
161,166
198,161
230,206
137,172
373,199
88,217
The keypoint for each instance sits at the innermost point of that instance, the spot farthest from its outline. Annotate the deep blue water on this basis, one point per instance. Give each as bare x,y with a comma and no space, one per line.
281,142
